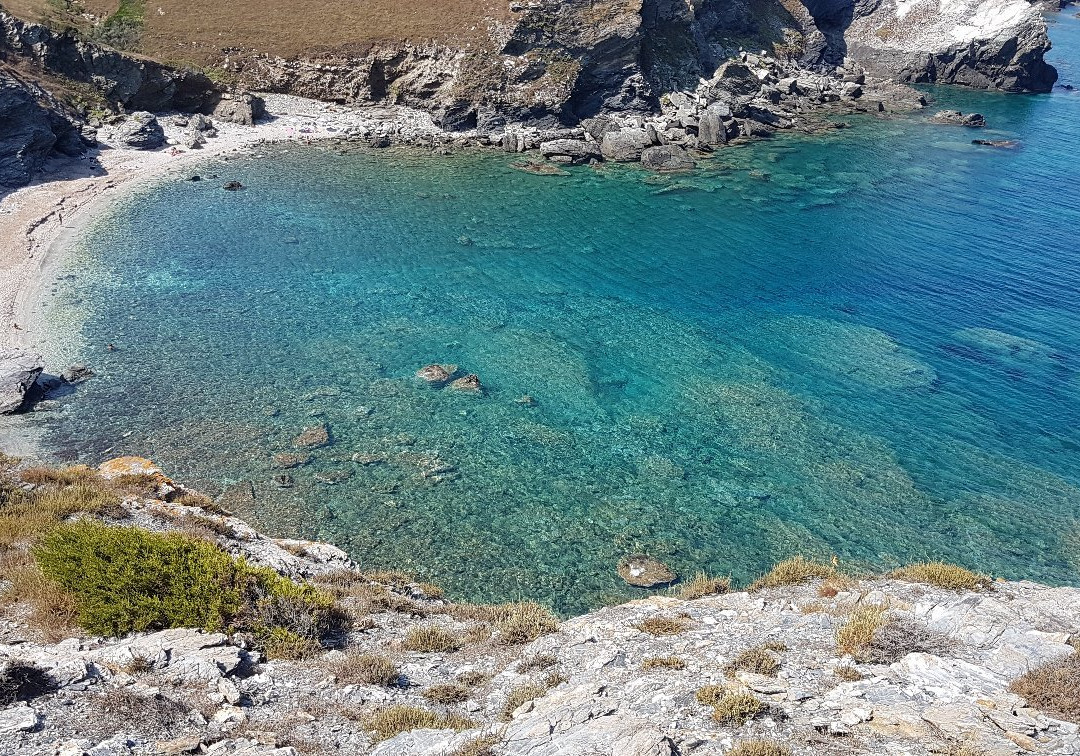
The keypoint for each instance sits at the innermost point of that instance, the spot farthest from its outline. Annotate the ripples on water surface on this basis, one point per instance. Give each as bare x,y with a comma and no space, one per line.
863,344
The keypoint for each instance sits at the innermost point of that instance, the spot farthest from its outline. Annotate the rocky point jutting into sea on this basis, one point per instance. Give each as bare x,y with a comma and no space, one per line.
809,660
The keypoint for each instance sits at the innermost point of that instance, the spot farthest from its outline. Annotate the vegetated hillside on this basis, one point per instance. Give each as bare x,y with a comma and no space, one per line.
196,31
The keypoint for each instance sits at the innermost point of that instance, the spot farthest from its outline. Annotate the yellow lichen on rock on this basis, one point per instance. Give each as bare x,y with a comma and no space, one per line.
120,466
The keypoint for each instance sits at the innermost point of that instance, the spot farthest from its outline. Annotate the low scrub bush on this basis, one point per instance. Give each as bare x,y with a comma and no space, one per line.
848,673
482,746
516,623
794,571
394,720
943,575
124,580
1053,687
539,662
898,637
59,494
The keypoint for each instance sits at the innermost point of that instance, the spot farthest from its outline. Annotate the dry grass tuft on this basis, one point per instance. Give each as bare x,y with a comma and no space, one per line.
900,636
729,707
26,515
516,623
854,636
519,696
53,611
472,678
775,645
663,626
367,669
431,639
663,662
1053,687
394,720
794,571
759,748
848,673
539,662
449,693
943,575
757,660
701,585
482,746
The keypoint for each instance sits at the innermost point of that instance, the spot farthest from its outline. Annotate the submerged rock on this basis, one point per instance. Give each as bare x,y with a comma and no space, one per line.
18,372
956,118
667,158
1005,144
288,461
313,438
643,571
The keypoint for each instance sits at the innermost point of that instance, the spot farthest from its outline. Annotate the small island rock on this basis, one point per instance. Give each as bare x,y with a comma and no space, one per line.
437,375
643,571
469,383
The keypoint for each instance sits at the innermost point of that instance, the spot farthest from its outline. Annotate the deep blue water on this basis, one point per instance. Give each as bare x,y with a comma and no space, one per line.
865,344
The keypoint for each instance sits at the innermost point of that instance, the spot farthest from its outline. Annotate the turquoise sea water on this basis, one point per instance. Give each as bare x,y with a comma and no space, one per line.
865,344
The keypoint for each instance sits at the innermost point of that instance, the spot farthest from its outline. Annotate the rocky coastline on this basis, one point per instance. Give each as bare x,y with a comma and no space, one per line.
670,74
929,660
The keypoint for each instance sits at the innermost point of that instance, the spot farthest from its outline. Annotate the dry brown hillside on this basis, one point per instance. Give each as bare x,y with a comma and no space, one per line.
197,31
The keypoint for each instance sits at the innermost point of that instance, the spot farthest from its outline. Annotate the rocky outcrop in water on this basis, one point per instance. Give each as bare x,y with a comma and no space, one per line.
18,372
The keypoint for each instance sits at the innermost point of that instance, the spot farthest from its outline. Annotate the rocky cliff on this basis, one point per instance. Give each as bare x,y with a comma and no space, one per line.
124,80
571,60
33,126
930,660
987,44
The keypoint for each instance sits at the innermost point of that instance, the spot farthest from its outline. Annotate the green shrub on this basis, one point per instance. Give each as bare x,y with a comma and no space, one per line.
394,720
125,579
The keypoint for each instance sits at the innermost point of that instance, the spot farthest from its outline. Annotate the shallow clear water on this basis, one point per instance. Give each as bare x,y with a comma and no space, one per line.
863,344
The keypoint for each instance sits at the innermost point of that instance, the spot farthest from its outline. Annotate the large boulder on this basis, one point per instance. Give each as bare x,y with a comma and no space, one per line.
667,157
624,146
18,372
141,131
243,108
711,129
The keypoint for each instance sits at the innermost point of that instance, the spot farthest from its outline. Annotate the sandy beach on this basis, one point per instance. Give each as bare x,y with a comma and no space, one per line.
38,221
